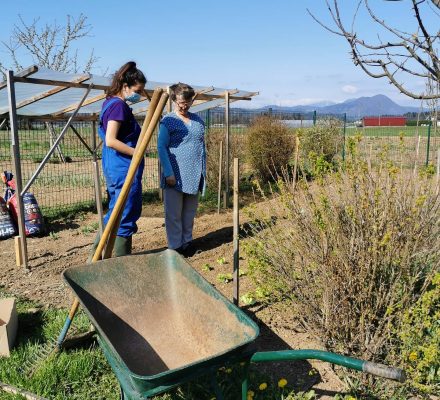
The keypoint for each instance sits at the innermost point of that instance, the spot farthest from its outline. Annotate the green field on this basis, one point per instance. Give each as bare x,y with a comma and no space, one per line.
381,131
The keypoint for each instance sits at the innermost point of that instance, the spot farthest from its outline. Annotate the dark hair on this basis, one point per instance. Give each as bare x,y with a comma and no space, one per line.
128,74
181,89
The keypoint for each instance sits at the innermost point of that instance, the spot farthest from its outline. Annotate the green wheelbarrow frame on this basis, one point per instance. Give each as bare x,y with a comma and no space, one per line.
161,324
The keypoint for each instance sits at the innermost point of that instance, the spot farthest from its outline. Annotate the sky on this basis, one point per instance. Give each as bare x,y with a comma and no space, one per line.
273,47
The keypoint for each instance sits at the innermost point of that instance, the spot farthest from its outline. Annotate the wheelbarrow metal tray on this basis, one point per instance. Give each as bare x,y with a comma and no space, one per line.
158,320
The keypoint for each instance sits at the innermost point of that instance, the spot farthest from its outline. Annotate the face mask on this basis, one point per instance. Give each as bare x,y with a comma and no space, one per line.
133,98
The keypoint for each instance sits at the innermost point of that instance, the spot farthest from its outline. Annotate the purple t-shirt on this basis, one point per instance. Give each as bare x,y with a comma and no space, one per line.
121,112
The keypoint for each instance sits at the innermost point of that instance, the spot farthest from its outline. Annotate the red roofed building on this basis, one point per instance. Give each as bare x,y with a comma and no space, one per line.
384,121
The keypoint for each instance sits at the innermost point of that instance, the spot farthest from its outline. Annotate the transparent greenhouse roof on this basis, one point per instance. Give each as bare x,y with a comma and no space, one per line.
40,92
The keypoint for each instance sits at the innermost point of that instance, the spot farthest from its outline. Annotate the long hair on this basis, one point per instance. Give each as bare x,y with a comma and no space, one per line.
128,74
181,89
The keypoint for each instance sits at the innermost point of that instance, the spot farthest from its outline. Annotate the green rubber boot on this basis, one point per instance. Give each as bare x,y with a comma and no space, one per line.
122,246
94,247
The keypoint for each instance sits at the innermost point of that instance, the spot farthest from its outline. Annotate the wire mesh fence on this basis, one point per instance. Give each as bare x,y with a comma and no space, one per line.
67,179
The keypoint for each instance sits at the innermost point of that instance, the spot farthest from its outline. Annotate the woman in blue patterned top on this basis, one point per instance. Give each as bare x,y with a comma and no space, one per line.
181,147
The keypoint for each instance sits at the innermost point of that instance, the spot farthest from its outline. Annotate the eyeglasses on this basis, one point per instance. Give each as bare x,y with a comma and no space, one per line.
183,103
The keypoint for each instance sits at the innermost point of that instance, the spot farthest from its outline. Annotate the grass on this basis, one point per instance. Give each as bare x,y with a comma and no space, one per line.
85,374
391,131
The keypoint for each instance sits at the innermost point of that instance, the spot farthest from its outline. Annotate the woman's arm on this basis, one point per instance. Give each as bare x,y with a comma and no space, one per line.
112,141
163,142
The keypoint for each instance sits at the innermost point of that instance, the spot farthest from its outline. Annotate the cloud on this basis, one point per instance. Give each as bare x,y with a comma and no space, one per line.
349,89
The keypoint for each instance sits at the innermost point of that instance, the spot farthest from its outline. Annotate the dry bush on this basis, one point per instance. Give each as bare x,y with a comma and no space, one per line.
352,251
269,146
320,146
212,139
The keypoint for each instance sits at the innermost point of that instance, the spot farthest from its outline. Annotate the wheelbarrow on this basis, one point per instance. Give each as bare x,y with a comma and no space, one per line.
160,324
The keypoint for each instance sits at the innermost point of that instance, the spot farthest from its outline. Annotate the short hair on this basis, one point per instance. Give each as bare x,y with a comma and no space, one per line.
181,89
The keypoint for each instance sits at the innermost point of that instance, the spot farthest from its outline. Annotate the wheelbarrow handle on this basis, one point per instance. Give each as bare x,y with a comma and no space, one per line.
348,362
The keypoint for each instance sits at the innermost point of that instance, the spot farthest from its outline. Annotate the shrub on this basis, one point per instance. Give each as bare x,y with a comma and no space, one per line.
352,251
420,340
269,146
320,145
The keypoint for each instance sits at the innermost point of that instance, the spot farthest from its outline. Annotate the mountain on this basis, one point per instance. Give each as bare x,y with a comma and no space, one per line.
355,108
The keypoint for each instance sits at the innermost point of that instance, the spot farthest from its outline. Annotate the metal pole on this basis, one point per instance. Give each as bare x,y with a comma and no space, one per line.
55,144
343,144
96,177
220,166
428,144
15,146
314,118
226,194
236,273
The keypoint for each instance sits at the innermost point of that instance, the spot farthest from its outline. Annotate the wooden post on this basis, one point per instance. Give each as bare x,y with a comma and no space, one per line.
18,252
220,165
15,146
295,166
236,273
226,192
97,181
417,155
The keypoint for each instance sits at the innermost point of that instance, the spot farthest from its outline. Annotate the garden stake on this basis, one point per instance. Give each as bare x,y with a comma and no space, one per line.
107,239
295,165
220,160
236,272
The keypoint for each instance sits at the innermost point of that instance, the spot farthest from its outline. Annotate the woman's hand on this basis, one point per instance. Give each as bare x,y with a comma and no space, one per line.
170,180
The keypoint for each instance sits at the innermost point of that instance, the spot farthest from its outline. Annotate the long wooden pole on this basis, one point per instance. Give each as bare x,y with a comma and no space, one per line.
15,146
236,274
98,195
151,119
227,123
220,166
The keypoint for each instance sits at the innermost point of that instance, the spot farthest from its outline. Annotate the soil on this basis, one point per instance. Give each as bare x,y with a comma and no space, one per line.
69,244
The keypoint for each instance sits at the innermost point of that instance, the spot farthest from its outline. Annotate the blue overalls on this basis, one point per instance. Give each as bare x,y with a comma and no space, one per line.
115,167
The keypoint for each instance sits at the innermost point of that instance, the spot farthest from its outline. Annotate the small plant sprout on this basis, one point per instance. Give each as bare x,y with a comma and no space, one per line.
221,260
206,267
248,299
225,278
54,235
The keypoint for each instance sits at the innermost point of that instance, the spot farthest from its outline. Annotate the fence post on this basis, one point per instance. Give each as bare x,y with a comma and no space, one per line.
314,118
207,121
428,144
343,145
15,148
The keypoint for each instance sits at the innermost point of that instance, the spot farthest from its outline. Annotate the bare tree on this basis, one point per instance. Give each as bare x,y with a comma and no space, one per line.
398,55
49,46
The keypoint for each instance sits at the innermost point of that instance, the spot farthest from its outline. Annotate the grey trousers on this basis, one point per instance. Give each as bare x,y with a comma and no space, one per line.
180,210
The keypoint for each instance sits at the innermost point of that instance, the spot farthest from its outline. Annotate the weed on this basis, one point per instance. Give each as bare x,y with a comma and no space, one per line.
206,267
54,235
225,278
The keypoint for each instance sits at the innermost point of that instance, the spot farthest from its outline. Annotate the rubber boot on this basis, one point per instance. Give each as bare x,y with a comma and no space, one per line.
122,246
94,247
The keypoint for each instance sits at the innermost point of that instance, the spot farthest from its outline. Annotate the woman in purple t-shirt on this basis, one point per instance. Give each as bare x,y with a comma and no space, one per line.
120,131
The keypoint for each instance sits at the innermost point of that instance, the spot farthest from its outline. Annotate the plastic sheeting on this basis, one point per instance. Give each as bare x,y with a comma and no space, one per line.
72,96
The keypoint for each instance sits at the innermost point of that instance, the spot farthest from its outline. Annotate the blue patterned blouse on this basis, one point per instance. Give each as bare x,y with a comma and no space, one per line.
182,153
